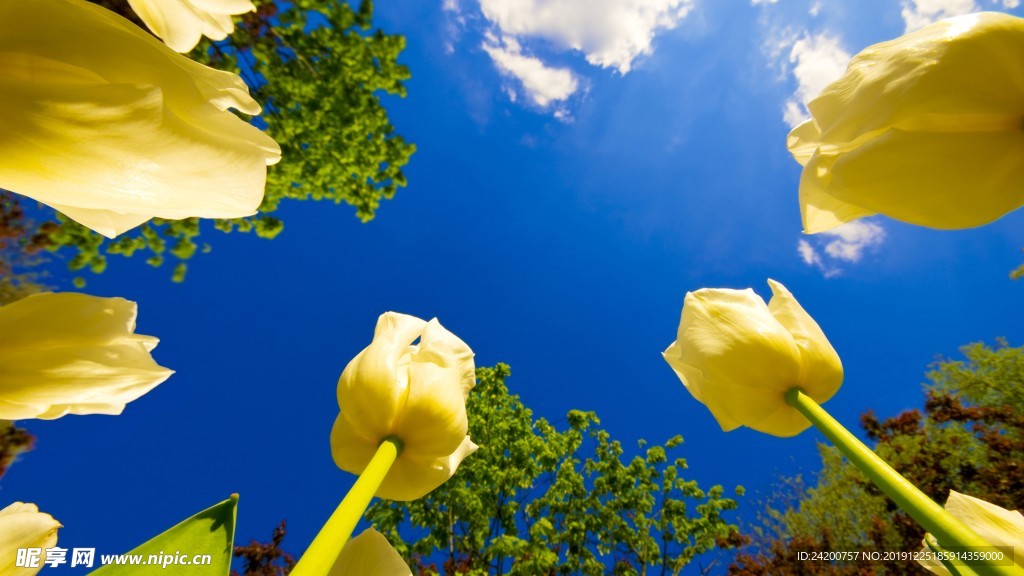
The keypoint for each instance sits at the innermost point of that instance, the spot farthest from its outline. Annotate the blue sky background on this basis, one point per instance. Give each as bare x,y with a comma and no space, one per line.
551,228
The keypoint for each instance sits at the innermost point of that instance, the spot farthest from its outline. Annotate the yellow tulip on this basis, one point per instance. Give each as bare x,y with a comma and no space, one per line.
72,354
739,357
369,553
109,126
996,525
182,22
413,393
925,129
23,526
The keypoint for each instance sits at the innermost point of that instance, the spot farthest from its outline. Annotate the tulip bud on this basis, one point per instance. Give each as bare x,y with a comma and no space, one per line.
925,129
739,357
180,23
72,354
369,553
415,393
109,126
996,525
23,526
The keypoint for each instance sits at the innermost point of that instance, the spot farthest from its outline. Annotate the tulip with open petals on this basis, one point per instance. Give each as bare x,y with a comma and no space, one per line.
739,356
72,354
109,126
180,23
995,524
369,553
414,393
23,526
925,129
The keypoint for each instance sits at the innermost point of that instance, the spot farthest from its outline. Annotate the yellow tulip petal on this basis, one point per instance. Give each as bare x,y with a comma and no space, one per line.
441,374
739,356
351,449
719,326
994,524
107,124
819,209
72,354
374,386
960,74
925,129
24,526
693,379
440,347
181,23
762,409
821,371
434,417
803,141
940,180
411,478
409,384
997,525
368,554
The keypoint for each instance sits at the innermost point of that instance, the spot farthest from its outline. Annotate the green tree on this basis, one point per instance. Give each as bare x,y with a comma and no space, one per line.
320,72
969,438
534,500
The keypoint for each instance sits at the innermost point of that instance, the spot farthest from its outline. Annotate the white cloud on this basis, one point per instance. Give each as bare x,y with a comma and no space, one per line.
852,238
843,245
807,252
920,13
756,2
817,61
543,84
610,33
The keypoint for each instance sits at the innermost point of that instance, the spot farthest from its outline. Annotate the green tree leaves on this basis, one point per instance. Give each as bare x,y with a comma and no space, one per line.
537,500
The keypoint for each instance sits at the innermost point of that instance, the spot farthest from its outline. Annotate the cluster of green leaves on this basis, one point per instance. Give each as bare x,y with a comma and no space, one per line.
320,73
970,438
535,500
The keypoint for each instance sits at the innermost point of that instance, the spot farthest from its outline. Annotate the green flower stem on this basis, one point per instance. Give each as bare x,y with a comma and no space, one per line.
324,551
949,531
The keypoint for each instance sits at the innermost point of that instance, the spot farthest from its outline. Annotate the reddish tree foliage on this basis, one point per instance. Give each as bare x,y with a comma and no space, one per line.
999,481
265,559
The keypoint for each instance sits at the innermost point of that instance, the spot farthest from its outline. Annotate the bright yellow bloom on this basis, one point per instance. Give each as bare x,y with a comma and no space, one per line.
926,128
24,526
182,22
369,553
109,126
996,525
72,354
413,392
738,357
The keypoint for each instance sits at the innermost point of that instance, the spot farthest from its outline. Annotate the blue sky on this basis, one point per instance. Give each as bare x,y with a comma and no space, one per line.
581,165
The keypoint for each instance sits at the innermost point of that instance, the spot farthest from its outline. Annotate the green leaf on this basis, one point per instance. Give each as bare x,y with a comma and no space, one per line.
210,532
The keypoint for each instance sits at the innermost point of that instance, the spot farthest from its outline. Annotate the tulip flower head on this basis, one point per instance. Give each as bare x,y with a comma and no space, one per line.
925,129
181,23
109,126
369,553
996,525
414,393
739,356
72,354
24,526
